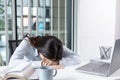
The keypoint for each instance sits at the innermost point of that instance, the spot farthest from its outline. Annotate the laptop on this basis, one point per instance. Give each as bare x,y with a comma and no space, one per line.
103,68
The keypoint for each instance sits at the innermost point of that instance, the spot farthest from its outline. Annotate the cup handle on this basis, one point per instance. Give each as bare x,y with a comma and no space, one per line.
41,63
55,72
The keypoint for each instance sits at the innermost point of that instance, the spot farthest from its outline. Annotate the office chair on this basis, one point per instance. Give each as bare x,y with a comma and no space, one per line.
12,45
1,61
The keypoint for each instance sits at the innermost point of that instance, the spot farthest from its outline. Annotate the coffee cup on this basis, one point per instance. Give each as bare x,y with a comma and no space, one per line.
47,72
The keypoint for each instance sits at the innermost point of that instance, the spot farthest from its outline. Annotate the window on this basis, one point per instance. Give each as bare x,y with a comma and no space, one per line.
37,17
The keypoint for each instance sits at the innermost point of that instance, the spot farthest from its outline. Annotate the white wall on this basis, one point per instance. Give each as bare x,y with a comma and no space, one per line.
96,26
117,30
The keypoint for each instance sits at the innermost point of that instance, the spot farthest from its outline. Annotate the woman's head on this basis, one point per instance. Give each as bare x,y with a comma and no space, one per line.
49,46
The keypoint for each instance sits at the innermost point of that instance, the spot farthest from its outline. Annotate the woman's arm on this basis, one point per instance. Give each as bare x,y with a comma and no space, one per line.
69,57
19,52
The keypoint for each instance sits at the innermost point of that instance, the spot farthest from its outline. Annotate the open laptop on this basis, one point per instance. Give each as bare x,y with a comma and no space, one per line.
104,68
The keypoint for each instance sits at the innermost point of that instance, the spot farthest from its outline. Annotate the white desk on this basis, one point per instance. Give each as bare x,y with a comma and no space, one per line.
69,73
75,75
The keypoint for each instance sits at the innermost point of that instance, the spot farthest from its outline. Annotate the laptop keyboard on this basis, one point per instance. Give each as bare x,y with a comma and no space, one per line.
92,66
95,66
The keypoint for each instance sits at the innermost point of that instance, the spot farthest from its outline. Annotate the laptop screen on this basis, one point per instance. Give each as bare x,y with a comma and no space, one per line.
115,62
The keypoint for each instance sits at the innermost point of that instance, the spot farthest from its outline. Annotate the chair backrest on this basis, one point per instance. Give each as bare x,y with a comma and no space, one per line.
1,61
12,45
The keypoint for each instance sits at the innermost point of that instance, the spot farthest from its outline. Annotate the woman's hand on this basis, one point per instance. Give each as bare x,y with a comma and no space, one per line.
58,66
53,64
49,62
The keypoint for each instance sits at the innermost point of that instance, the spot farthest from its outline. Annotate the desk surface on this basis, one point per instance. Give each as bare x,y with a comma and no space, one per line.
69,73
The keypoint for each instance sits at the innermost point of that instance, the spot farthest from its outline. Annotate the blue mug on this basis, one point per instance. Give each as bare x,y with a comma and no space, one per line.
47,72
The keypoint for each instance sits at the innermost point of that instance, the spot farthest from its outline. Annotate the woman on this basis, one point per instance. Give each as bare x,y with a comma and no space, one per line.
48,49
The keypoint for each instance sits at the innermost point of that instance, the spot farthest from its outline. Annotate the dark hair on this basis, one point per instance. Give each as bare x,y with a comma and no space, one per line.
49,46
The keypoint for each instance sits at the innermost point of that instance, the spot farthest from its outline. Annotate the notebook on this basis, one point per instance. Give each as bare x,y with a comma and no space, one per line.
103,68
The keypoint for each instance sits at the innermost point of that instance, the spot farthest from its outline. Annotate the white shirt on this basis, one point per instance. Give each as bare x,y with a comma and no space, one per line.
26,52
